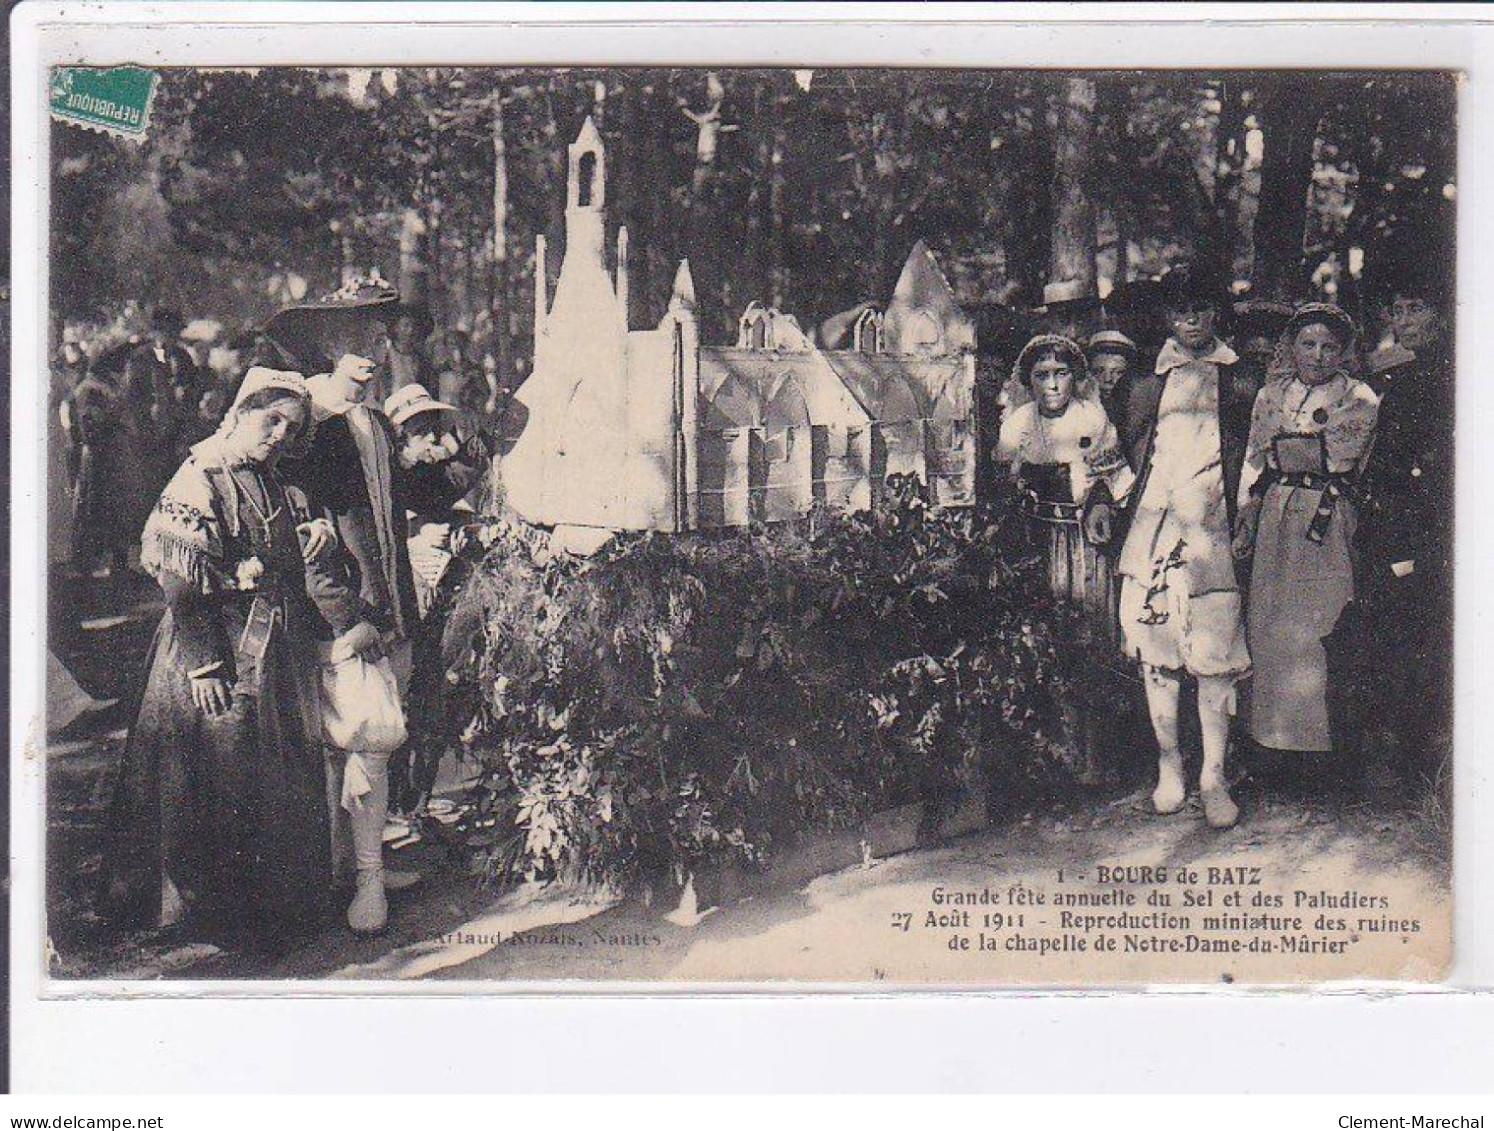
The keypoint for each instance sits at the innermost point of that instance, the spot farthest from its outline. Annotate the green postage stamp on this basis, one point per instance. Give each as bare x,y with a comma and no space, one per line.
115,100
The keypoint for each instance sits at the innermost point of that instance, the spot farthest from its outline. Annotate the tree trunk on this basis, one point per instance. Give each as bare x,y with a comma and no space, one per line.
1234,98
704,245
1113,123
1072,258
707,138
502,344
1025,166
625,163
765,198
599,103
457,299
778,282
349,268
1289,114
413,277
884,193
435,299
556,149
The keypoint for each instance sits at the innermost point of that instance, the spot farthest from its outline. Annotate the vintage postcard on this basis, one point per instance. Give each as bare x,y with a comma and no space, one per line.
723,526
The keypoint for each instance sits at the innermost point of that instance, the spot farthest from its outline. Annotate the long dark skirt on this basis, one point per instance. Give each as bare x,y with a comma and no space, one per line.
231,811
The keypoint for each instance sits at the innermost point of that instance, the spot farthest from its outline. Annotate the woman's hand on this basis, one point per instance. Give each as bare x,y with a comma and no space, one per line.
1243,544
363,639
317,538
212,696
1099,524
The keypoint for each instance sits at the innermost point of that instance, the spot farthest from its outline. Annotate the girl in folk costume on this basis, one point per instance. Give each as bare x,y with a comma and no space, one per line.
1180,604
1310,435
1060,447
221,805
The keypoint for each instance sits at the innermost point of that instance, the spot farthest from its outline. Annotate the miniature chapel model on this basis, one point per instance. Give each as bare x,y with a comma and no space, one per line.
622,429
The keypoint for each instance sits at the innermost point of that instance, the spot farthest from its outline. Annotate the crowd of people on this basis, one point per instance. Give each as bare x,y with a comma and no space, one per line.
1259,510
1252,503
128,408
297,518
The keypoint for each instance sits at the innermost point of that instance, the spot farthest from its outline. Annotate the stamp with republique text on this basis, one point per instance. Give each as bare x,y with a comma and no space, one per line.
113,100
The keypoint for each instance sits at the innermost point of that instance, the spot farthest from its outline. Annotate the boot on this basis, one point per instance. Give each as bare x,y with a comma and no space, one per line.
1170,793
369,911
1216,703
1220,810
343,869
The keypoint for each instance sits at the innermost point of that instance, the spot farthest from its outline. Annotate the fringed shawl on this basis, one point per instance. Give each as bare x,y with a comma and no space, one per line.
184,534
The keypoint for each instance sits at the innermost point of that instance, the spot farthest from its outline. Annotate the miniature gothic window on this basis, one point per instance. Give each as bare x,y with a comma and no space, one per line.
753,330
586,178
788,407
866,336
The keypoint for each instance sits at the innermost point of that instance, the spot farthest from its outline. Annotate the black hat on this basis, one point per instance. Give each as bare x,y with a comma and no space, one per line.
1134,307
1193,284
314,332
1266,317
1001,331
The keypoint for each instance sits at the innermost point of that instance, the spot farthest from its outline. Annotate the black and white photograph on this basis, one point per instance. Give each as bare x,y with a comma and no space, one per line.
748,527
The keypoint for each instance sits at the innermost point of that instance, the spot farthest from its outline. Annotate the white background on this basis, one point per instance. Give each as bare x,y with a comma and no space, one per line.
1418,1040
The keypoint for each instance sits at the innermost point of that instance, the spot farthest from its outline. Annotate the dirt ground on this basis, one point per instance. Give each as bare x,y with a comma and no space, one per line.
844,927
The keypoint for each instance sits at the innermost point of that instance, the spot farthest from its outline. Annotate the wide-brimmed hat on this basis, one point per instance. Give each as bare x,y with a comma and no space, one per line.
1001,330
1134,306
425,322
1068,291
1326,314
1414,263
411,401
1068,297
315,333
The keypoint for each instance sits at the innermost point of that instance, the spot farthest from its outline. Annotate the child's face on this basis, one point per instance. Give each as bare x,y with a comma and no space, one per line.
1317,352
1109,370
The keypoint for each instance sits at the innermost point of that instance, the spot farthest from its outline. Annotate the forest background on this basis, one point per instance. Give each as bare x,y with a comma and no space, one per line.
802,189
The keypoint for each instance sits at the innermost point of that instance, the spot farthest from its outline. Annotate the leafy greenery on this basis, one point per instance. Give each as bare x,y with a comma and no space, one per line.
676,700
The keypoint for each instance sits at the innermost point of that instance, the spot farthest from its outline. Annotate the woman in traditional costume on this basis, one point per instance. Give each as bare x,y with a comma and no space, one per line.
1310,434
1062,448
222,804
